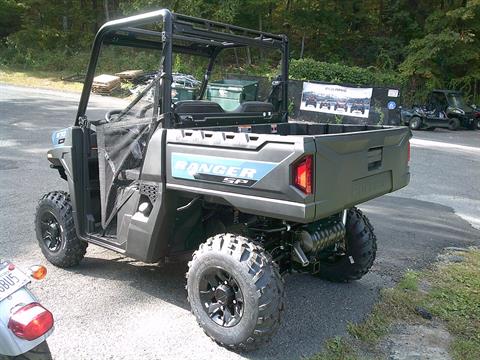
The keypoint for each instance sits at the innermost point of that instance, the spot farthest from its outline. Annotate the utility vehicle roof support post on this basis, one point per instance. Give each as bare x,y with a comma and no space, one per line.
285,62
166,76
131,21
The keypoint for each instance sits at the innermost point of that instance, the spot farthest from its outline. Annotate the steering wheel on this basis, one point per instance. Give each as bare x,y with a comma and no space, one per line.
109,114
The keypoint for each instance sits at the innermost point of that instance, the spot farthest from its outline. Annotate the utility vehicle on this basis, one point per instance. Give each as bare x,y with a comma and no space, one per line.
358,105
444,109
245,195
311,101
341,104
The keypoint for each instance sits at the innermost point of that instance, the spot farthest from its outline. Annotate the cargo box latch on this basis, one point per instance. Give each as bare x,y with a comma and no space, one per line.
375,158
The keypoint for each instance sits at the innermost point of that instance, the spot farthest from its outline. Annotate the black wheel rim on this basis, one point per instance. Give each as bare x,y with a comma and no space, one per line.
51,231
221,297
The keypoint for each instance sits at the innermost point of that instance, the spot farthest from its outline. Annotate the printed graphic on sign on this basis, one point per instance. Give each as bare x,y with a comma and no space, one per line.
219,169
336,99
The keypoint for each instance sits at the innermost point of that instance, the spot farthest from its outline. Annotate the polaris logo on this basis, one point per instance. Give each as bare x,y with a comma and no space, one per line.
223,170
193,168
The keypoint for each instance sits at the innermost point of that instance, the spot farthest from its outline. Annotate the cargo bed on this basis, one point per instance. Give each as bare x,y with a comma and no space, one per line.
353,164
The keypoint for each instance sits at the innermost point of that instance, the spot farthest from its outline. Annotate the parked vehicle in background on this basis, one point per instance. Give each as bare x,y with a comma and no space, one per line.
476,111
245,195
444,109
24,323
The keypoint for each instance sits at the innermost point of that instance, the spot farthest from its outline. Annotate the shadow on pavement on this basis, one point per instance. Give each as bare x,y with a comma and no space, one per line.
410,235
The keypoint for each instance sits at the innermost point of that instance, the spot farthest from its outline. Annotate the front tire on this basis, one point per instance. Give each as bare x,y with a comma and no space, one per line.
55,230
235,291
361,248
454,124
415,123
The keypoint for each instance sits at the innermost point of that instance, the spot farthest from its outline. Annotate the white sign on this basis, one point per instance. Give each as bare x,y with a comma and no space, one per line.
392,93
336,99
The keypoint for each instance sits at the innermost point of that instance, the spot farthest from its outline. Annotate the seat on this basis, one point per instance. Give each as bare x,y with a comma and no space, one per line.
254,107
197,107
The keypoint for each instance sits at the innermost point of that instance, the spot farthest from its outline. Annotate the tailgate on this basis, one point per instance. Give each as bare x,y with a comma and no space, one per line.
351,168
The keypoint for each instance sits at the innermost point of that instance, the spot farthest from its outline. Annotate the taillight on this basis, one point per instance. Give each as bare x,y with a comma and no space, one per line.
31,321
303,174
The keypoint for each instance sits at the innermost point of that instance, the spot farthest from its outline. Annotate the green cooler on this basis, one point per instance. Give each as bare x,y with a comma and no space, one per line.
230,93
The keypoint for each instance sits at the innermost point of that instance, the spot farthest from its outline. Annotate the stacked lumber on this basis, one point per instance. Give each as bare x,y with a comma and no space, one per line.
105,84
129,75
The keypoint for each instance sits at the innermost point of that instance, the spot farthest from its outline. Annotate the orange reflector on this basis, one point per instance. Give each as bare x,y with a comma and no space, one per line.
38,272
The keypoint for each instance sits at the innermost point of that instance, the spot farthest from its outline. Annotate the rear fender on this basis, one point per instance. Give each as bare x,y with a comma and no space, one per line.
11,345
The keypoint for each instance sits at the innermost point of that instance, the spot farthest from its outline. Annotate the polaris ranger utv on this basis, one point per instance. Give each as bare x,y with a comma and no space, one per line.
444,109
244,195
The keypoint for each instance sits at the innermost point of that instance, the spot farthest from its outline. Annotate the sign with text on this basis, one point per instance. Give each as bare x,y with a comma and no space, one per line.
336,99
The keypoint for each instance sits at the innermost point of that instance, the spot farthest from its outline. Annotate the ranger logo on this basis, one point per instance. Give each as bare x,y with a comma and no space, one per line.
219,169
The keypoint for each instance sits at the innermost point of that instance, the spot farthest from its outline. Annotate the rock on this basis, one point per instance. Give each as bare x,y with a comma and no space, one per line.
424,313
455,248
450,258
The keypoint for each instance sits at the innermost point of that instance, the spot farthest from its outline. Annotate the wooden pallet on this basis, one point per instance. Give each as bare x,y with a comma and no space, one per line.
129,75
105,84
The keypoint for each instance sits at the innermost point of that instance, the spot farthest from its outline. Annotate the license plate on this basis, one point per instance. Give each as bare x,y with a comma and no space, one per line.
11,281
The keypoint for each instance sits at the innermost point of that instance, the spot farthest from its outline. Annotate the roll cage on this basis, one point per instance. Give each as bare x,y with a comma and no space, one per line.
181,34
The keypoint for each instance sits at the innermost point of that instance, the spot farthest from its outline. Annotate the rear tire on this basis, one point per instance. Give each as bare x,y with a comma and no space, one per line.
361,248
40,352
55,230
454,124
474,125
231,275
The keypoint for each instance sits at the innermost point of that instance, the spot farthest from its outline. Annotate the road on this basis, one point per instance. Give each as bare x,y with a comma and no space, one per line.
111,307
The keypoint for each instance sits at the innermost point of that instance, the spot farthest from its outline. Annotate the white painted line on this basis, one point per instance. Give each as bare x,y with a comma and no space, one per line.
442,145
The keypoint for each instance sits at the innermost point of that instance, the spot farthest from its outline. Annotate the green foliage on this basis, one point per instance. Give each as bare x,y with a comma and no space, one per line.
10,17
309,69
417,45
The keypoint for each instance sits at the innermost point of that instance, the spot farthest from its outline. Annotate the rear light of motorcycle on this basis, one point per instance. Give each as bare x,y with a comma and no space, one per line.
303,174
30,321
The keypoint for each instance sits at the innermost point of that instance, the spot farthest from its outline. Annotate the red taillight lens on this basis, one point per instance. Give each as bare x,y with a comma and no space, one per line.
31,321
303,174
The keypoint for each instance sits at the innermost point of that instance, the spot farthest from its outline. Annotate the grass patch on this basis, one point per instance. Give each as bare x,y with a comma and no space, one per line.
337,349
454,298
40,79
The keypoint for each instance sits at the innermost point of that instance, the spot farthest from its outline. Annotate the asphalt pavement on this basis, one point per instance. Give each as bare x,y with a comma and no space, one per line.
112,307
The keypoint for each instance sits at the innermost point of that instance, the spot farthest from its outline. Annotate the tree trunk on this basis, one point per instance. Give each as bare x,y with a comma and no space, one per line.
303,46
65,16
260,27
249,56
107,13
